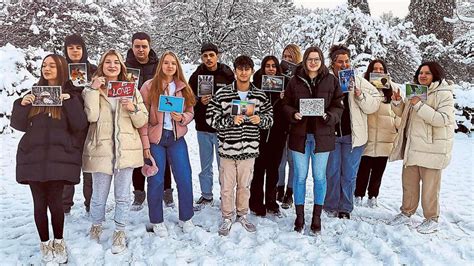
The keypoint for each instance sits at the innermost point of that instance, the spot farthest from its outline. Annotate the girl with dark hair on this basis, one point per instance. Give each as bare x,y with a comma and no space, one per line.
272,143
382,133
163,139
113,147
424,144
311,137
49,155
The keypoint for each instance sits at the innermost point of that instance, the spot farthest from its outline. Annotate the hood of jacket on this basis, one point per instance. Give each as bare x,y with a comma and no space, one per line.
132,61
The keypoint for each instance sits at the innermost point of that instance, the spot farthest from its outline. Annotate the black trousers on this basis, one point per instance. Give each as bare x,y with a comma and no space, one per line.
139,180
68,193
370,173
48,195
265,175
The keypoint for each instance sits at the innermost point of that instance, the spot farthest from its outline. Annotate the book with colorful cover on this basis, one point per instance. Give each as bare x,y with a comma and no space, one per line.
133,75
413,90
240,107
347,80
273,83
288,68
380,80
120,89
205,85
78,74
170,104
47,95
312,107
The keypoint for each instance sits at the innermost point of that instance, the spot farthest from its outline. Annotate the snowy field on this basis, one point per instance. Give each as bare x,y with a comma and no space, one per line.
365,239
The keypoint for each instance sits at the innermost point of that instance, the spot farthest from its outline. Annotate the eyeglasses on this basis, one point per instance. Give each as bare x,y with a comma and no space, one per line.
313,60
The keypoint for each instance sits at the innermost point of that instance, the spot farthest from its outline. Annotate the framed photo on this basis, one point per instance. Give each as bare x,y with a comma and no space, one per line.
347,80
205,85
170,104
288,68
380,80
47,95
412,90
78,74
133,75
312,107
273,83
120,89
246,108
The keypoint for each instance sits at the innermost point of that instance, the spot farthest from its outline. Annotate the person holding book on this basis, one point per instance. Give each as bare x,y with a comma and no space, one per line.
292,54
424,144
49,154
113,147
163,139
382,132
76,52
312,137
239,137
222,75
272,142
142,57
351,136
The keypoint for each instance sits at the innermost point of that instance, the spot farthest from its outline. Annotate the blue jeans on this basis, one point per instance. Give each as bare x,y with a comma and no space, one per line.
177,153
208,145
318,165
341,175
286,157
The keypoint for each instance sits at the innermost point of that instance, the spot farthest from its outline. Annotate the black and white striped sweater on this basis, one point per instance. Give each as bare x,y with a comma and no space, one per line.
238,142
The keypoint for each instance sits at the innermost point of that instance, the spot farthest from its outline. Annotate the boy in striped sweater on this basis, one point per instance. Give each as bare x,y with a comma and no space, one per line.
238,136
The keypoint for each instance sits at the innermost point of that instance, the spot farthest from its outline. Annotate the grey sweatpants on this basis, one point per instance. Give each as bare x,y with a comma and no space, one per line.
100,190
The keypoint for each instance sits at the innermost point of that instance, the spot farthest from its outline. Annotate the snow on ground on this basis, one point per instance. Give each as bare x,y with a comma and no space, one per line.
365,239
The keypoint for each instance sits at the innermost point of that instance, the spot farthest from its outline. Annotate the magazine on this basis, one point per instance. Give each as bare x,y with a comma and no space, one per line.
380,80
273,83
78,74
171,104
205,85
312,107
47,95
347,80
412,90
246,108
133,75
120,89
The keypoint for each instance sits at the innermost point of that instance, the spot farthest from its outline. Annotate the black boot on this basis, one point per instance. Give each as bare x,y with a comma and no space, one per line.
316,222
288,199
280,193
299,221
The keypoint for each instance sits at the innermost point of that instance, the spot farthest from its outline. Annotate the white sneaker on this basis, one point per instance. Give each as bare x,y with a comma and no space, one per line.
119,242
372,202
46,249
358,201
160,229
95,232
250,227
428,226
59,251
400,218
225,226
187,226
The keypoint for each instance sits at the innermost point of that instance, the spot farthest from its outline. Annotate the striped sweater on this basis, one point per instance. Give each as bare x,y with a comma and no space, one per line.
238,142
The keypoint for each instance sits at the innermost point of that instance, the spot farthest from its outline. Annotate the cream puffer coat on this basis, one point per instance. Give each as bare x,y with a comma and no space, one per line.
113,141
430,128
367,103
383,126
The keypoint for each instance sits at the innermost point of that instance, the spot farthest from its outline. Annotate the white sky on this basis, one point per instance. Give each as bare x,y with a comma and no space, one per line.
399,8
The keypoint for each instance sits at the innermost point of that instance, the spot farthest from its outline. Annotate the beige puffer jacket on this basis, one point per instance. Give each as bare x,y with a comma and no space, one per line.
367,103
430,128
113,141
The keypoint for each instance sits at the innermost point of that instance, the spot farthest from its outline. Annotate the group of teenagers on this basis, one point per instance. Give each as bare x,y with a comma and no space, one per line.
124,141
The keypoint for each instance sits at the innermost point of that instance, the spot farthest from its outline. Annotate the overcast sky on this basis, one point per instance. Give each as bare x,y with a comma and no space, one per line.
399,8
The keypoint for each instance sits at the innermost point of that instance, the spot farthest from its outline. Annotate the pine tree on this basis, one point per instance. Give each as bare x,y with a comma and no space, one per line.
363,5
428,17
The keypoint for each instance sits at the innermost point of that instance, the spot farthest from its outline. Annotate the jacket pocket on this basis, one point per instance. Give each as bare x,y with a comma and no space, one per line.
104,131
429,133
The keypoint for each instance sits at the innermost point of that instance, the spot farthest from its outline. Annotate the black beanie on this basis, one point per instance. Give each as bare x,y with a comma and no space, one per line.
75,39
209,47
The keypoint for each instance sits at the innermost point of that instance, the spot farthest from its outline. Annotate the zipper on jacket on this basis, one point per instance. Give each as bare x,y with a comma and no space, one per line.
116,140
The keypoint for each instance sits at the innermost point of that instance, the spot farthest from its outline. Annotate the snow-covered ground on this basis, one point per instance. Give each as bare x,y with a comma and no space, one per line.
365,239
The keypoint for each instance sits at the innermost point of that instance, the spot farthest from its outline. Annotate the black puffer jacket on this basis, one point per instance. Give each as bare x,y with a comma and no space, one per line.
222,77
147,71
326,87
50,150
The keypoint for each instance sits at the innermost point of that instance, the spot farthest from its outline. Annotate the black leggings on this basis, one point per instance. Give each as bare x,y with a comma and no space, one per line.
139,180
370,173
48,195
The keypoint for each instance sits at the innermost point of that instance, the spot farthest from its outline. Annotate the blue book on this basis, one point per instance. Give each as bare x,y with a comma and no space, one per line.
171,104
347,80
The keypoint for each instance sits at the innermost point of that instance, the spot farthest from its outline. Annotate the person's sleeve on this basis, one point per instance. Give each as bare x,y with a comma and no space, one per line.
19,118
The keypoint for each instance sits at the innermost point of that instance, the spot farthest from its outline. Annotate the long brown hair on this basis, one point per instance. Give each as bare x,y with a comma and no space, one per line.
61,79
158,89
100,68
323,70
